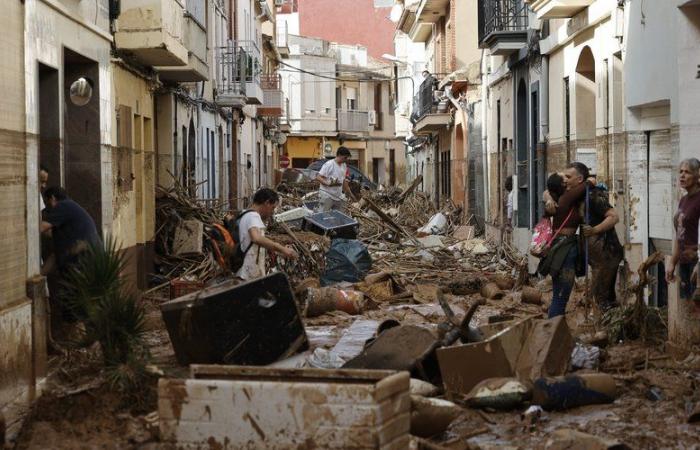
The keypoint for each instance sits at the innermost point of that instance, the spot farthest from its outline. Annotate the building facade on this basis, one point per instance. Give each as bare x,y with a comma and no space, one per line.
338,95
610,84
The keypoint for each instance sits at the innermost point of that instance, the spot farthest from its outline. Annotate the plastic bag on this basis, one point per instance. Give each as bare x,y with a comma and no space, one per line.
347,260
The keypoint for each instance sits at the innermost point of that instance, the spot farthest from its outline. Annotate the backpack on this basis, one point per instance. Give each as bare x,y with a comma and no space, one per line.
226,243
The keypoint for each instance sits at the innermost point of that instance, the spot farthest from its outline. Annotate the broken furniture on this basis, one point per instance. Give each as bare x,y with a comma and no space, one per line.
333,224
529,349
254,323
255,407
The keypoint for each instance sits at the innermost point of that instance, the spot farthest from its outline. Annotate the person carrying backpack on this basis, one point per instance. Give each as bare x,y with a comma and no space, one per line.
248,230
604,249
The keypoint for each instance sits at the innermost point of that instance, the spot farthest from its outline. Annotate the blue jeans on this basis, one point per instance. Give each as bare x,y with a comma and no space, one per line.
685,270
563,283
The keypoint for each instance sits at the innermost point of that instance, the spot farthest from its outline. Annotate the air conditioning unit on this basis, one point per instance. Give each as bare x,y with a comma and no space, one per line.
372,118
279,2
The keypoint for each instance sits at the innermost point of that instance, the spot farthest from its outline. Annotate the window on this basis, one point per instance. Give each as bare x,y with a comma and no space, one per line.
351,98
197,9
212,162
392,167
124,148
378,105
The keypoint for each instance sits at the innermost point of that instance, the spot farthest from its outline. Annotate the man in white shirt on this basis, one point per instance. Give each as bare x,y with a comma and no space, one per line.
509,202
252,234
333,181
43,183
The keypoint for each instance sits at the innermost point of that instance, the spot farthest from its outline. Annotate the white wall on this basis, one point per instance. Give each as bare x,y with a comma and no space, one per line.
651,68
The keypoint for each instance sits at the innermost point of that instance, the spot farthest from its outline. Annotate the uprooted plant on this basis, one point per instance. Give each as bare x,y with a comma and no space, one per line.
637,320
110,313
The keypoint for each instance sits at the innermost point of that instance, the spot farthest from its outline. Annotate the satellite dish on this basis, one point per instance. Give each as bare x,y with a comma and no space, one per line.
81,91
280,138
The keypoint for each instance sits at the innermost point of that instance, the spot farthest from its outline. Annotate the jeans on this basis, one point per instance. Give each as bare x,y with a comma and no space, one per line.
685,270
563,283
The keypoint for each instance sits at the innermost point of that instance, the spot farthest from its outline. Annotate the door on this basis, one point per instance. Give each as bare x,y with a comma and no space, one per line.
660,207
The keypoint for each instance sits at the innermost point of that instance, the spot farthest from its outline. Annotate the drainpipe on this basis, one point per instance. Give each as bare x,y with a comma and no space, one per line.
175,128
544,116
484,135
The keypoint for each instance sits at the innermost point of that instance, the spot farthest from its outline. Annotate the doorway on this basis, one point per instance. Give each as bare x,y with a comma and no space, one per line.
82,147
49,124
522,166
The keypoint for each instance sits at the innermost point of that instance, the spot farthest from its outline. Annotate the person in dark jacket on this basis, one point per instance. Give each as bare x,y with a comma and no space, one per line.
72,229
561,260
604,249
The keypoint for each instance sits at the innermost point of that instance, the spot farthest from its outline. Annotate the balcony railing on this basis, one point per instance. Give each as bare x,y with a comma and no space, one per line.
237,71
284,118
273,98
424,101
353,121
501,16
282,35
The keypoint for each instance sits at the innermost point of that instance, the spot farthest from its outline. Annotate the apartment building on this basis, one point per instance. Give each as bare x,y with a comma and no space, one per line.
446,110
338,95
611,84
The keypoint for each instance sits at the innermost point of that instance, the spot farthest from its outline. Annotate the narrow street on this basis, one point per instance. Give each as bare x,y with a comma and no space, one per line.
357,224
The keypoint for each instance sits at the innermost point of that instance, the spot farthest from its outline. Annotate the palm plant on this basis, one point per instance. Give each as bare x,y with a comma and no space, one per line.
111,315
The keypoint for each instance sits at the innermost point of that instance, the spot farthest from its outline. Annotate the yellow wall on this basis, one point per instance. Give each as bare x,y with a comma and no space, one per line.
303,147
134,210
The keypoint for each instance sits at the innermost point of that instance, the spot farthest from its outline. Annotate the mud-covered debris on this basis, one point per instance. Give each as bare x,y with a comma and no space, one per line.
423,388
568,439
585,357
499,393
558,393
430,416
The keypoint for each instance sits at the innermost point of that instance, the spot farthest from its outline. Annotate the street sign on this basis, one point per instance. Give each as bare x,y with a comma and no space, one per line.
284,161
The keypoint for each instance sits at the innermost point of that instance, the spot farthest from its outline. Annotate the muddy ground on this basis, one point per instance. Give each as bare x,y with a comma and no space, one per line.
657,393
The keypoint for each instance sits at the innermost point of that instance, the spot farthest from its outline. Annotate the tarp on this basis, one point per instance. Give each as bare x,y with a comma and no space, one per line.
347,260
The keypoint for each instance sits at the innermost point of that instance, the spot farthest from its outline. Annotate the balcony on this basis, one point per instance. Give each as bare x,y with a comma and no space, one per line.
353,121
429,113
195,40
152,31
503,25
283,38
285,125
238,74
558,9
273,97
427,14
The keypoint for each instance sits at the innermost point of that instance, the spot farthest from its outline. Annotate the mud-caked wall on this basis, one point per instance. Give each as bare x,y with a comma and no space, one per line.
15,309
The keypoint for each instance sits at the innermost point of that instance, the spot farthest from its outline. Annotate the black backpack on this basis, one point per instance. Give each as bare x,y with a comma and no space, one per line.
225,241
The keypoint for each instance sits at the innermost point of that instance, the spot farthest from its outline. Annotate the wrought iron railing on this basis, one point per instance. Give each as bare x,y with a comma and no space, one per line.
501,16
424,101
237,63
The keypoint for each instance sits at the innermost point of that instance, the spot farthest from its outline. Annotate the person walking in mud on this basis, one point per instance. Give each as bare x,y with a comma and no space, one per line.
685,221
563,256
